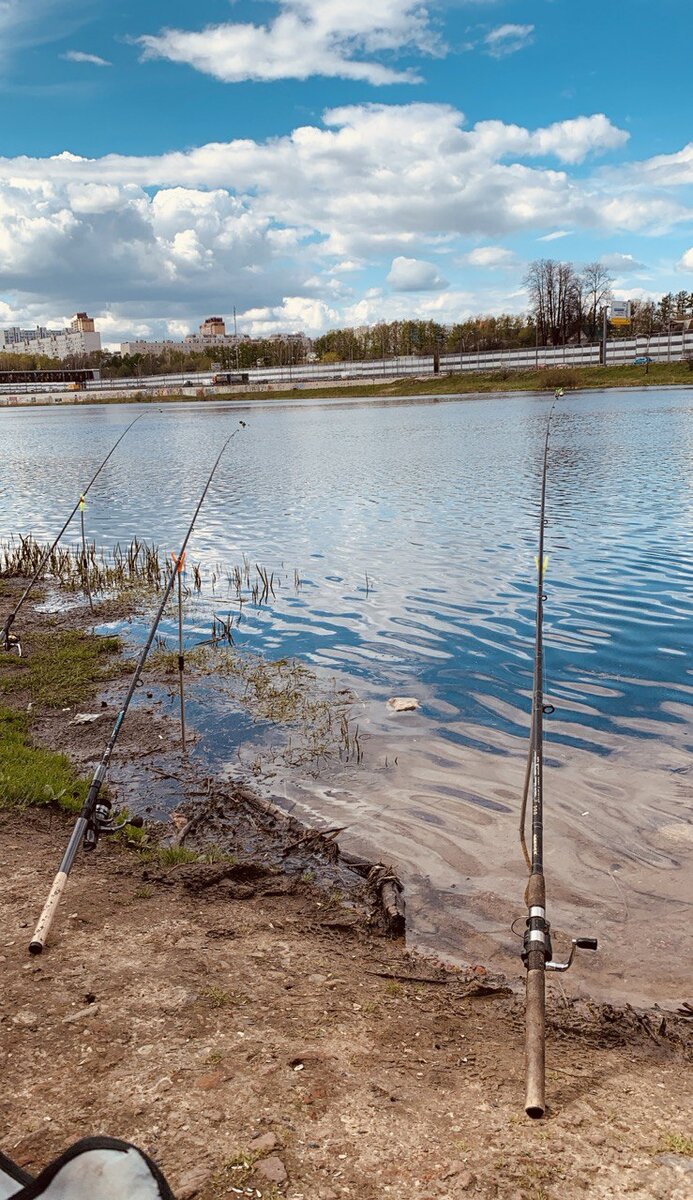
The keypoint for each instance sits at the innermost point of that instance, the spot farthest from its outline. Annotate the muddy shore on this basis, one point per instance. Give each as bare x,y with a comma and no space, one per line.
251,1024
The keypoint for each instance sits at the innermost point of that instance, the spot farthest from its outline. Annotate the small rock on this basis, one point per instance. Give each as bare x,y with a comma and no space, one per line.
192,1183
403,703
85,718
272,1169
456,1169
263,1143
26,1018
328,1194
208,1083
317,978
83,1012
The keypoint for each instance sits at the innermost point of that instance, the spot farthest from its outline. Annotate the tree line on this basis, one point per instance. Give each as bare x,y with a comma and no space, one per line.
566,304
565,308
251,352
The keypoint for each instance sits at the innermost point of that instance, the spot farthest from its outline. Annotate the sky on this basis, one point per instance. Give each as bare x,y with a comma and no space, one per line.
320,163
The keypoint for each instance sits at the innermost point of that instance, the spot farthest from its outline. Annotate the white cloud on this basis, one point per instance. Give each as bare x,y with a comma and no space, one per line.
35,22
666,170
347,266
445,307
305,38
622,263
490,257
686,260
78,56
293,315
508,39
569,141
556,235
414,275
165,236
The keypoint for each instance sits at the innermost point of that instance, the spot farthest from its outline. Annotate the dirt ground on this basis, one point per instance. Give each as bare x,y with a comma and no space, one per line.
247,1024
240,1031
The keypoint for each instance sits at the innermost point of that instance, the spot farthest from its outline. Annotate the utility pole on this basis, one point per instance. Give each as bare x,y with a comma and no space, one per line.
602,347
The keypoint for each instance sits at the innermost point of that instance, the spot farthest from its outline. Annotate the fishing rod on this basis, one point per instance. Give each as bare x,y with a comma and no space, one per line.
95,818
537,953
11,641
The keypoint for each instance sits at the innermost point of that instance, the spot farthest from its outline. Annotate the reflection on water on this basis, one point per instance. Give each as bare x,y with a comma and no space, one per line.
413,526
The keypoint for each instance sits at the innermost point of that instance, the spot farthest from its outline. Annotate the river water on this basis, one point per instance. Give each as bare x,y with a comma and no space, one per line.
412,525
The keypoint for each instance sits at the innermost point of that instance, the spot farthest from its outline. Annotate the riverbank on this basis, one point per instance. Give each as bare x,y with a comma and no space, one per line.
460,384
253,1034
470,383
234,1009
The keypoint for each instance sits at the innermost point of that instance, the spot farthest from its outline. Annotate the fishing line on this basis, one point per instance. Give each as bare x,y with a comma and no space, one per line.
11,641
537,953
95,817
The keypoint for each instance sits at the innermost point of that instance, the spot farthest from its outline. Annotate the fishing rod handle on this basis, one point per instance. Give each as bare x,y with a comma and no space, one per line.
50,907
535,1102
49,910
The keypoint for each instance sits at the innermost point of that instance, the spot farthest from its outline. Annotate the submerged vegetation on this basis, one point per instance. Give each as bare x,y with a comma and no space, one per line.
115,570
286,694
136,567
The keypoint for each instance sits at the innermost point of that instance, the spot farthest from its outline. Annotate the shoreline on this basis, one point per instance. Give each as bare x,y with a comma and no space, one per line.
465,385
234,1008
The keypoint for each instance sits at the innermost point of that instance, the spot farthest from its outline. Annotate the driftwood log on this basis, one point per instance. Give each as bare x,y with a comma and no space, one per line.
385,889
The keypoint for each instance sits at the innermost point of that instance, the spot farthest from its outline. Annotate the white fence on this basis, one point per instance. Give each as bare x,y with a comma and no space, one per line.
661,348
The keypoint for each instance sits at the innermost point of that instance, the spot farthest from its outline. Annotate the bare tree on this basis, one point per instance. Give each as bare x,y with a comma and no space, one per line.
555,299
597,283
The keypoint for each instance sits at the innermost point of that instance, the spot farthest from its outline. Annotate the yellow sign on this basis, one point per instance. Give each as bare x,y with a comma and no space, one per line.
619,320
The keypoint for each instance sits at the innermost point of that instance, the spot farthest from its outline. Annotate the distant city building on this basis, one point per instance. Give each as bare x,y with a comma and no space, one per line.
157,349
293,339
81,323
212,335
213,327
80,338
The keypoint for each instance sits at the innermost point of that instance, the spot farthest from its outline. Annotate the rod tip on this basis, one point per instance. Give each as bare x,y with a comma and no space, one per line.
535,1111
35,947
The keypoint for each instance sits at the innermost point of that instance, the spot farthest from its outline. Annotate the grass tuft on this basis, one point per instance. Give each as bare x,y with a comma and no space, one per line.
60,669
175,856
676,1143
217,997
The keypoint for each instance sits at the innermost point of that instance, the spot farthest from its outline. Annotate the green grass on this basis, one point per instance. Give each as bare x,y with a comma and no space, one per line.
216,996
501,380
59,669
676,1143
506,380
30,775
465,383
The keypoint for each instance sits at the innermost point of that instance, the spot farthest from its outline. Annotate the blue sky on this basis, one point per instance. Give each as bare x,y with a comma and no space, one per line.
322,162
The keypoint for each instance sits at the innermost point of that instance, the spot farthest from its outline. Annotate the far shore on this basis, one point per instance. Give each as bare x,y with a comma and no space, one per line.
460,384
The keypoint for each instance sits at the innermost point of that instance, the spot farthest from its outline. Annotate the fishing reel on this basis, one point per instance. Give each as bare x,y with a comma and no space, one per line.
103,822
579,943
11,642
